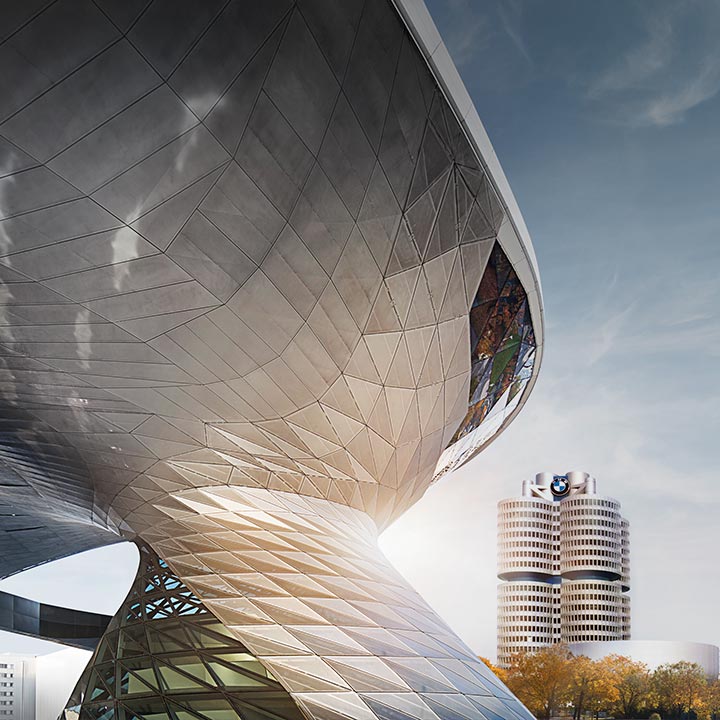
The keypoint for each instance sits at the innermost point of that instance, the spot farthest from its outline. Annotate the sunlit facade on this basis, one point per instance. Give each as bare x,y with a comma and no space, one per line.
262,282
564,562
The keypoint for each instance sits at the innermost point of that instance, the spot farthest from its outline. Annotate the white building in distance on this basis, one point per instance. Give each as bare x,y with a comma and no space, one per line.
37,687
655,653
564,563
17,687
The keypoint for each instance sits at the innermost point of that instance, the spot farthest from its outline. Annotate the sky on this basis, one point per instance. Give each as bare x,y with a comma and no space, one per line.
606,119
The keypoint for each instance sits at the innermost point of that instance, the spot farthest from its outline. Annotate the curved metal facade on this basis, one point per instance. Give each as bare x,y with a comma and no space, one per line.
76,628
165,655
253,252
302,585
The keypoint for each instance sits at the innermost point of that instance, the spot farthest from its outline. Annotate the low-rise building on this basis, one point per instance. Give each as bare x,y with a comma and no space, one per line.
36,687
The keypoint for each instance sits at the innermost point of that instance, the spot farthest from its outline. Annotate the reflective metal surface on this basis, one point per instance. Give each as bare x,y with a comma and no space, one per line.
244,246
239,245
167,657
302,585
76,628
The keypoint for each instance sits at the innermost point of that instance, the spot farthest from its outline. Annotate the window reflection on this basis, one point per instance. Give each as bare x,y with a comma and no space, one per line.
502,357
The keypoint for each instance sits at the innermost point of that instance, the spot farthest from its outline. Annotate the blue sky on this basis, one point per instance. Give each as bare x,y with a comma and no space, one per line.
606,119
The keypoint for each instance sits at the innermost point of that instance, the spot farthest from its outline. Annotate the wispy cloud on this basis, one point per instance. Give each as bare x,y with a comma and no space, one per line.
633,69
660,79
471,31
606,334
468,30
510,16
670,108
670,315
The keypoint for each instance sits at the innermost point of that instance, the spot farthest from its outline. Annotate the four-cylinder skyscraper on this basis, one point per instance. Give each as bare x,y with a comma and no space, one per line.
564,563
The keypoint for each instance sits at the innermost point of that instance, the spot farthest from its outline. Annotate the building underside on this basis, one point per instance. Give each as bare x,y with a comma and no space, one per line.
76,628
262,281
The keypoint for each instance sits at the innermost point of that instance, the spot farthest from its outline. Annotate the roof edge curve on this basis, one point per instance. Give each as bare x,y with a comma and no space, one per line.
423,30
519,249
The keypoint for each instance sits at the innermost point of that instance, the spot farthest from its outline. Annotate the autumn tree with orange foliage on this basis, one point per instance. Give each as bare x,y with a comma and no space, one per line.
711,701
630,685
541,680
551,682
590,686
680,688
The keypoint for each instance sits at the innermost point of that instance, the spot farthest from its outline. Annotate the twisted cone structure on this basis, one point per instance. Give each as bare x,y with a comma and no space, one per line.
261,282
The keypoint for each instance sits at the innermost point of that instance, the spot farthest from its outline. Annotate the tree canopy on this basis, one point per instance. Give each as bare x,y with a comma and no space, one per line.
551,682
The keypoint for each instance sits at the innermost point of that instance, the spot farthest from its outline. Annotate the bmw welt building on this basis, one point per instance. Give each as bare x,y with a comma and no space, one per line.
262,281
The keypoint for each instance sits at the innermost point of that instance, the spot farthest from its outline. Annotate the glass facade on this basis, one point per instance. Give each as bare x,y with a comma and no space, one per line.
502,342
165,657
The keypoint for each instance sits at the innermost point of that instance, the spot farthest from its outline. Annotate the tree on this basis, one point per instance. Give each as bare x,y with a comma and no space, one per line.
541,680
585,690
680,688
630,683
711,700
664,683
693,684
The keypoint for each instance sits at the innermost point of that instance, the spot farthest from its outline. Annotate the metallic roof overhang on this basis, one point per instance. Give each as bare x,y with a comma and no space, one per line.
124,307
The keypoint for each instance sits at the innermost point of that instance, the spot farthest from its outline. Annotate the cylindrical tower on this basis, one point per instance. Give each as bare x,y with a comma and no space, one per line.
564,559
590,610
590,538
525,617
626,617
591,568
528,600
525,539
625,579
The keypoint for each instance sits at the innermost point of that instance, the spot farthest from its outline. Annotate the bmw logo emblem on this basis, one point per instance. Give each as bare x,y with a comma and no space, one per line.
560,486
